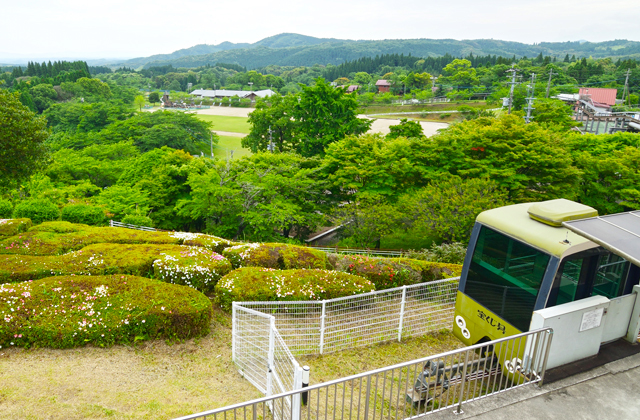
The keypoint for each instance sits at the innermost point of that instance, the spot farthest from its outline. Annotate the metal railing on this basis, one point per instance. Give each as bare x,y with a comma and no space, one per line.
339,250
408,390
113,223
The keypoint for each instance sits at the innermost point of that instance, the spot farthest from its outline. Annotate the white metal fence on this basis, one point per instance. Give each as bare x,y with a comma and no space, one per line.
267,335
408,390
113,223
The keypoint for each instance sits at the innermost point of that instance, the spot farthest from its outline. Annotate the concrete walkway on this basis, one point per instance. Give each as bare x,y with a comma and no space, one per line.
611,391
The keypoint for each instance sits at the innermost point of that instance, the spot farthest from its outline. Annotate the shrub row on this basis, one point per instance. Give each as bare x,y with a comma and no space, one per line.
386,273
55,238
195,267
268,284
71,311
12,227
272,255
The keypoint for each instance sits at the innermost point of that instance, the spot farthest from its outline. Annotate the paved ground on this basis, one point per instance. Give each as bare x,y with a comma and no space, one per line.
611,391
378,126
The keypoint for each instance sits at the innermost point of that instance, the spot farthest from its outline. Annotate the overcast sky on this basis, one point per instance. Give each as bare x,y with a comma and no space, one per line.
38,29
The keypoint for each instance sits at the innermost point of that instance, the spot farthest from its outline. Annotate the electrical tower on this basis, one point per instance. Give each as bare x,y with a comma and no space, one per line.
551,74
513,83
530,98
625,92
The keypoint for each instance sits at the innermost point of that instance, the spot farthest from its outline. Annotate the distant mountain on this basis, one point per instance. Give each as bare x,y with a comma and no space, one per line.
299,50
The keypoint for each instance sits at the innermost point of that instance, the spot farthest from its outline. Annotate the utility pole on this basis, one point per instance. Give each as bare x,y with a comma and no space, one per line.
513,84
625,92
531,97
211,143
551,74
271,147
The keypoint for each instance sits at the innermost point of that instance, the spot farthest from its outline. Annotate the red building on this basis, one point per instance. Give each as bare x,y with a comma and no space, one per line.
383,86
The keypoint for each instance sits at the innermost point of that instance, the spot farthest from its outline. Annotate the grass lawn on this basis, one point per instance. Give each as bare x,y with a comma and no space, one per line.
224,147
223,123
157,380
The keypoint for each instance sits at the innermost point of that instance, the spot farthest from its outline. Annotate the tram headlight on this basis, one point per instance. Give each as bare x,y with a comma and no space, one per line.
460,322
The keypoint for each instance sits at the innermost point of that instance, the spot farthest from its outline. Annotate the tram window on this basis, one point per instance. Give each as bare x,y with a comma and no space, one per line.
610,275
569,279
505,276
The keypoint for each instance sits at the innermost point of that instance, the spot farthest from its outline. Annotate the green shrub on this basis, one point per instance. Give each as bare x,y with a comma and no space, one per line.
195,267
137,220
55,238
179,264
267,284
38,210
269,255
452,253
72,311
201,240
6,208
12,227
386,273
83,213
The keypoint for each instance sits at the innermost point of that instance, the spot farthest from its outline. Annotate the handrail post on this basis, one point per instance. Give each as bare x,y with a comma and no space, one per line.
463,383
324,309
234,331
295,398
546,357
404,299
270,356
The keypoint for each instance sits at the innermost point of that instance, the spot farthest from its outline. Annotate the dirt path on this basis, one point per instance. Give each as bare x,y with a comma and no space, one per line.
229,133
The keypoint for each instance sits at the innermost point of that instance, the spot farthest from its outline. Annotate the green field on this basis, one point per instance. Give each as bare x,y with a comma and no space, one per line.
223,149
223,123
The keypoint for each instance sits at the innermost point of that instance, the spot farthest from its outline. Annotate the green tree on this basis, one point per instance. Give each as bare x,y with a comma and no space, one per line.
530,162
22,136
325,114
554,115
43,96
139,102
154,97
275,114
460,74
448,206
409,129
366,220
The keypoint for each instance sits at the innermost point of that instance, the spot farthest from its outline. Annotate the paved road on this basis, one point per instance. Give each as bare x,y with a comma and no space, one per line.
378,126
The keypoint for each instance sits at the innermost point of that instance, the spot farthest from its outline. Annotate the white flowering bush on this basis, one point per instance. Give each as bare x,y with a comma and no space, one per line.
274,255
268,284
10,227
191,266
71,311
212,243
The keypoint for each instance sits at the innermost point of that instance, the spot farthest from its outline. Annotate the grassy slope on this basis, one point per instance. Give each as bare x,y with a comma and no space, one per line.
155,380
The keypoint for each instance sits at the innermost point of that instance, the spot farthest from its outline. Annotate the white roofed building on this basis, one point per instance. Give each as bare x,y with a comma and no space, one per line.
220,93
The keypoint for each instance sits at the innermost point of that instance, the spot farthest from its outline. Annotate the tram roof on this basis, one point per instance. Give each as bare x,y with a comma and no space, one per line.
619,233
515,221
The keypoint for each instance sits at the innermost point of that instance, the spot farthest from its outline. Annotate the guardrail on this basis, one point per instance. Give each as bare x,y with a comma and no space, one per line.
113,223
411,389
338,250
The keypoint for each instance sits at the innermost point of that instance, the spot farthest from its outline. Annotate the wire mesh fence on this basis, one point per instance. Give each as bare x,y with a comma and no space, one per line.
409,390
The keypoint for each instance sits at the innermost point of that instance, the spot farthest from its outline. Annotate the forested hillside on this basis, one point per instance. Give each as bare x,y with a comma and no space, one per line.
299,50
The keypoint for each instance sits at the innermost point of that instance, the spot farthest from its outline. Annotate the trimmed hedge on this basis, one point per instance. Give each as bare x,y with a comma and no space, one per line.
267,284
273,255
386,273
38,210
137,220
194,267
12,227
72,311
212,243
179,264
83,213
55,238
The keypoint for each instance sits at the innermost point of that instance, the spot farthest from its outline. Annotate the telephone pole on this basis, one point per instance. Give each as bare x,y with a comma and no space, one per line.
513,84
551,74
531,97
270,147
625,92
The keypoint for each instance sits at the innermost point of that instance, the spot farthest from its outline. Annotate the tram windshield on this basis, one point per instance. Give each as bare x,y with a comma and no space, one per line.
505,276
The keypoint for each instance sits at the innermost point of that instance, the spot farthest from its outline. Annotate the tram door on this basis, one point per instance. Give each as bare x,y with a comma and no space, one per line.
598,272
